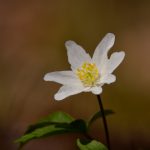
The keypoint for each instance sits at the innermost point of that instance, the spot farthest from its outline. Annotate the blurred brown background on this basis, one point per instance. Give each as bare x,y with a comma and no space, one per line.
32,36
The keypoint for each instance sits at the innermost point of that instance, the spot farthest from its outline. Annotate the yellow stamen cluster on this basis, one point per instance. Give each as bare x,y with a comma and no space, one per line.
88,74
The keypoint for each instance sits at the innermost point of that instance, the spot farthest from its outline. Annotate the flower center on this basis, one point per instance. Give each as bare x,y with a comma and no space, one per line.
88,74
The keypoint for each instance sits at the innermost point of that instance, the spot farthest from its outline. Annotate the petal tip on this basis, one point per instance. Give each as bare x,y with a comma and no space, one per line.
110,35
114,80
45,78
57,97
122,54
69,43
97,90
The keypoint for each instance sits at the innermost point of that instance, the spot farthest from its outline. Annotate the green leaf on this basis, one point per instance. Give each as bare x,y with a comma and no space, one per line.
99,115
90,145
39,132
57,123
78,126
56,117
59,116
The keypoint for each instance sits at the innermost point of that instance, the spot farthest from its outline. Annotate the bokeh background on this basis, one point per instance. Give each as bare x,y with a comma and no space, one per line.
32,36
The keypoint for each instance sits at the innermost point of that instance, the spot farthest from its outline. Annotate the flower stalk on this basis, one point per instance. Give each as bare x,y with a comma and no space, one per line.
104,122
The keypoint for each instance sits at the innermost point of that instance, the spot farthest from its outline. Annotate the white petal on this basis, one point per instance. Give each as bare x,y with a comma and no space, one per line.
76,55
115,60
68,90
96,90
62,77
109,78
100,55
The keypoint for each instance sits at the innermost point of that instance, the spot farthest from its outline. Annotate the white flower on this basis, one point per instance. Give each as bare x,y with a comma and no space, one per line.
87,74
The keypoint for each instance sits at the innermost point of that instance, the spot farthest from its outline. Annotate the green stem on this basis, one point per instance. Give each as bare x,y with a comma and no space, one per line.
104,122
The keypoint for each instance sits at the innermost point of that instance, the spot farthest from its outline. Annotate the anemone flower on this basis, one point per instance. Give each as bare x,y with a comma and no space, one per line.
87,74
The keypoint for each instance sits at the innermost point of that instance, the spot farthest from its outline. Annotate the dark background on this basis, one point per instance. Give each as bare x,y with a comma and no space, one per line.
32,36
